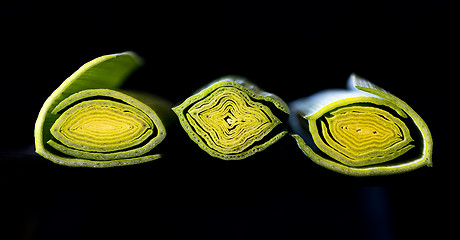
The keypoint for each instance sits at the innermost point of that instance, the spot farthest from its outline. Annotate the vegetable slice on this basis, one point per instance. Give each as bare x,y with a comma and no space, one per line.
362,131
232,119
86,123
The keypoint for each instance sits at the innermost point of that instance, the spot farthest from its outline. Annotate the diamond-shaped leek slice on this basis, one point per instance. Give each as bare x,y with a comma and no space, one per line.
232,119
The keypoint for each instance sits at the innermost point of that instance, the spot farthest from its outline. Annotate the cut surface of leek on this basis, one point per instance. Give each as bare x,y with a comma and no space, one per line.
232,118
88,122
361,131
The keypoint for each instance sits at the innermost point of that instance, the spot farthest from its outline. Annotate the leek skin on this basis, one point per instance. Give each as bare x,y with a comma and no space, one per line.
88,122
232,119
362,131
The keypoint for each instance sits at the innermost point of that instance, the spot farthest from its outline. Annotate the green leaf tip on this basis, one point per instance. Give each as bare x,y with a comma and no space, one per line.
362,131
88,122
231,118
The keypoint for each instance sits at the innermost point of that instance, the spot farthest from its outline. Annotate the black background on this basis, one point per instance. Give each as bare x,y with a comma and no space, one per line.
409,48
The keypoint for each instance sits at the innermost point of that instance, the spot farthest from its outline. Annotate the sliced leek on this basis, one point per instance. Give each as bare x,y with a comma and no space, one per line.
232,119
86,123
361,131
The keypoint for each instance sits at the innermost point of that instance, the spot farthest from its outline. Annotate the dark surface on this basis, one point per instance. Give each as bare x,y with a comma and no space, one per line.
290,49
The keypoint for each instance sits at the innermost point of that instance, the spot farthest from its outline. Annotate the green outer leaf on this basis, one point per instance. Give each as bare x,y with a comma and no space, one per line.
243,85
313,107
100,75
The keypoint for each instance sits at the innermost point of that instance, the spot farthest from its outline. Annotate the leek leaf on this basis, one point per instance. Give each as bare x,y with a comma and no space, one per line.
361,131
231,118
88,122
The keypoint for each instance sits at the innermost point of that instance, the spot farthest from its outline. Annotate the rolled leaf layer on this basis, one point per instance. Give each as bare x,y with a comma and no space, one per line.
85,122
361,131
232,119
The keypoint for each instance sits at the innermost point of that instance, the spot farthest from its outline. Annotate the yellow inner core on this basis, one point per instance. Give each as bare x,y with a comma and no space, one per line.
229,121
363,135
102,126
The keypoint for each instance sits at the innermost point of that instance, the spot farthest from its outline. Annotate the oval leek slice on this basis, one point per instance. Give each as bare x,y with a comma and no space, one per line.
86,123
362,131
232,118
